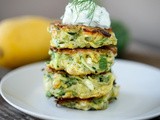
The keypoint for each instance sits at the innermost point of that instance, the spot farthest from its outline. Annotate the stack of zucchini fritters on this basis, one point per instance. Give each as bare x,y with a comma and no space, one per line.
79,73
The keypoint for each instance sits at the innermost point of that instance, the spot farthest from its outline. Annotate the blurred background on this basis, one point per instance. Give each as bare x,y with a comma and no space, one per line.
138,19
136,24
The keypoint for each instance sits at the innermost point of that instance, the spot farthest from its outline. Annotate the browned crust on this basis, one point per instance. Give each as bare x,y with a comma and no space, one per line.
52,70
86,29
65,100
100,50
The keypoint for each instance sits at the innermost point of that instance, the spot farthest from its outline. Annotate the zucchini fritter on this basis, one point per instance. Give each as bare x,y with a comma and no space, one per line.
62,85
91,103
80,36
83,61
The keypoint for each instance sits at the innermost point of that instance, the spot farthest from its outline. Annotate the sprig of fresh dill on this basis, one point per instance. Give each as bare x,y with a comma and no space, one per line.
81,5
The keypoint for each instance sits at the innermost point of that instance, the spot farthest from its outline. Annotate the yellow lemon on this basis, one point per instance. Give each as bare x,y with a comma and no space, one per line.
23,40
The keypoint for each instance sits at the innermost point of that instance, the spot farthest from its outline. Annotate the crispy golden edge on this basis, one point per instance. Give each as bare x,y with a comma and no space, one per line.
86,29
62,100
81,50
67,100
52,70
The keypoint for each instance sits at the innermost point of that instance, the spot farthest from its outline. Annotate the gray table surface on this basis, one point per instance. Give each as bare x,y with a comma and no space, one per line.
7,112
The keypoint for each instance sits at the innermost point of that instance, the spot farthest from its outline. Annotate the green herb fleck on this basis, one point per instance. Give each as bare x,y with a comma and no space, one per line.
48,94
61,93
102,63
100,42
71,81
97,100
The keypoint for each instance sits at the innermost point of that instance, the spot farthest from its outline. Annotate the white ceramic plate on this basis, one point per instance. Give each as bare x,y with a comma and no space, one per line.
139,94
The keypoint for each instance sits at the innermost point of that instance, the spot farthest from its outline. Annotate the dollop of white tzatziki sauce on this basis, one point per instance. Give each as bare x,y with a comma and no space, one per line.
74,15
